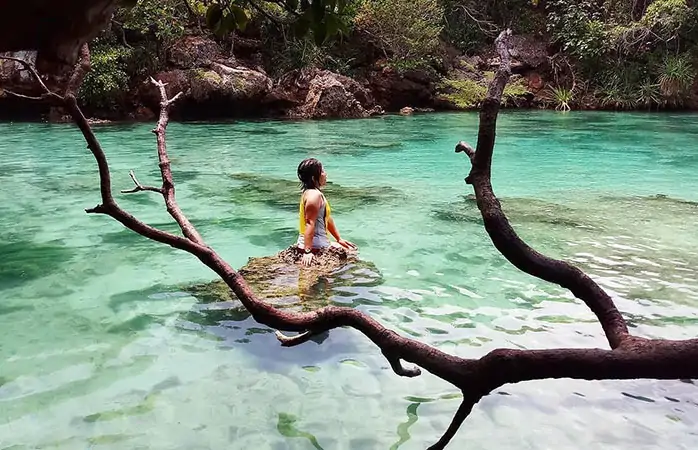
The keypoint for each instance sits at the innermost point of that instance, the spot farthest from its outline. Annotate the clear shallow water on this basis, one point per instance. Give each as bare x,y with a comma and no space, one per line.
102,348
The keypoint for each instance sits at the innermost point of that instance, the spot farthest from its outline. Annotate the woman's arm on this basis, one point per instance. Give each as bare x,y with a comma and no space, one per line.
312,207
332,228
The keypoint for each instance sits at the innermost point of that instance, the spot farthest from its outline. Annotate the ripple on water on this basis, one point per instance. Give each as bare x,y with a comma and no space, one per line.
105,344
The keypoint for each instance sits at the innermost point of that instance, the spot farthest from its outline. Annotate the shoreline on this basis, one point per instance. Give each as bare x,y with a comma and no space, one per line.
230,119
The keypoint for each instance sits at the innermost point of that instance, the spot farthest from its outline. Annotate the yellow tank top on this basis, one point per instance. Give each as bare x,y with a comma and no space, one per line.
301,214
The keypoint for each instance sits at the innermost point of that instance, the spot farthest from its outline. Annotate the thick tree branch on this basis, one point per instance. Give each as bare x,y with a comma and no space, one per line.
462,413
503,235
630,357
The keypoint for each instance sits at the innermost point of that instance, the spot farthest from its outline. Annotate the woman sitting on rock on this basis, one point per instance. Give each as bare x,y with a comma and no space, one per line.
315,214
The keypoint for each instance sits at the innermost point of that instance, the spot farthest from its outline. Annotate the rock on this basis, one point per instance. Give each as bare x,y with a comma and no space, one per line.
407,111
534,81
65,25
330,95
143,113
394,90
216,90
527,53
193,51
281,281
94,121
235,83
57,114
530,52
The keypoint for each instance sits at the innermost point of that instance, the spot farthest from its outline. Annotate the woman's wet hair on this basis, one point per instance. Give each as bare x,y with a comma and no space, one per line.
309,171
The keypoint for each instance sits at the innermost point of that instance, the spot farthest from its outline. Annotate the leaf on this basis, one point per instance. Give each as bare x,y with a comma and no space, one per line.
240,15
214,14
128,3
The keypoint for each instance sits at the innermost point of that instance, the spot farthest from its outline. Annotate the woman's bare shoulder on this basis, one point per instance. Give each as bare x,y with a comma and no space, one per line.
313,196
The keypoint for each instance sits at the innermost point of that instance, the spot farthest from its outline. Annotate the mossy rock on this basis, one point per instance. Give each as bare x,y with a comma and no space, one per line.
283,282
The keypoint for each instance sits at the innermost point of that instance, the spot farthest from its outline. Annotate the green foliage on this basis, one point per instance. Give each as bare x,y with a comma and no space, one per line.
323,19
578,27
464,94
561,97
468,94
405,30
676,77
666,17
648,94
297,53
164,19
108,78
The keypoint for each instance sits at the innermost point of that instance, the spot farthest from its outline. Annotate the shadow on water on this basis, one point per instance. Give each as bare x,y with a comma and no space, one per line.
218,316
284,194
24,261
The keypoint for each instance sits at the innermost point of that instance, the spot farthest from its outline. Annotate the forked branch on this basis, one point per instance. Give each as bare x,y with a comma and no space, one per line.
630,357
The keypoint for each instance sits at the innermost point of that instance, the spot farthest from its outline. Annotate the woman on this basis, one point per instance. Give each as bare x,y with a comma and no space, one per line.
315,213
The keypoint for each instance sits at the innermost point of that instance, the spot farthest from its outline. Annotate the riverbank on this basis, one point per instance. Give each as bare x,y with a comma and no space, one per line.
219,84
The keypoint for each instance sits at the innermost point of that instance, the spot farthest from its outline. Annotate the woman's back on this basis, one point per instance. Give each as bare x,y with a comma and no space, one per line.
320,239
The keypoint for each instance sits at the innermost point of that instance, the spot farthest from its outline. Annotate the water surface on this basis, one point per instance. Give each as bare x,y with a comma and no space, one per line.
103,348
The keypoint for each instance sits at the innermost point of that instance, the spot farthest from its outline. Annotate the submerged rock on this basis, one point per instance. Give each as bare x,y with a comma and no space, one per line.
283,282
284,194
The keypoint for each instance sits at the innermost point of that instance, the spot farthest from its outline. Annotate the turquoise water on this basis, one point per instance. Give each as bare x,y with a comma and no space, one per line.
103,348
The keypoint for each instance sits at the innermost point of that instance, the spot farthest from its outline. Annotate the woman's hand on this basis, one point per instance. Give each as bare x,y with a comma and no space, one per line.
346,244
307,259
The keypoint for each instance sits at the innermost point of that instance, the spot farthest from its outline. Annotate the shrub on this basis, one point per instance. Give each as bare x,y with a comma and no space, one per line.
108,77
403,29
676,77
468,94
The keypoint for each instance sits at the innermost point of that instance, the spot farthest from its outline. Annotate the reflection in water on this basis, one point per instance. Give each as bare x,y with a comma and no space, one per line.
287,428
403,428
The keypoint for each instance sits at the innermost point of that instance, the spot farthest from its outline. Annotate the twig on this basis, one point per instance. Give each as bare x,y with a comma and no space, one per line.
26,97
139,187
31,69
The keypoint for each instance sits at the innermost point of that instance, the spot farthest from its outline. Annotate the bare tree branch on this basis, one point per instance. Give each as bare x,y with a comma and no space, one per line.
139,187
26,97
168,188
503,235
630,357
30,68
